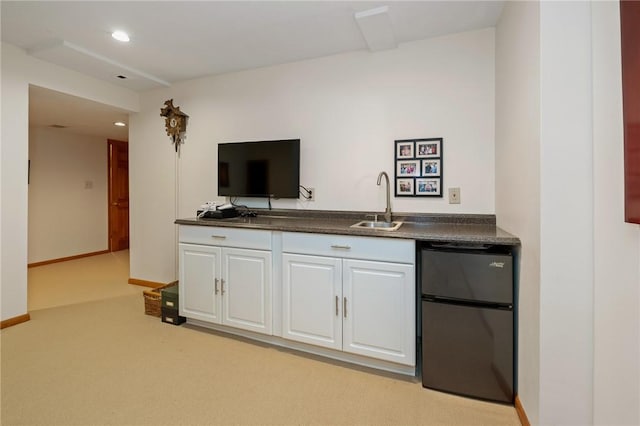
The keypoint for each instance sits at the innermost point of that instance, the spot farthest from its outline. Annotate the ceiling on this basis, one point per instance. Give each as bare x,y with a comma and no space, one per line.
173,41
79,116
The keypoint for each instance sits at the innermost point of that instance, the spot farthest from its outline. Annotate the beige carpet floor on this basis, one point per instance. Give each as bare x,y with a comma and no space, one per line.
79,280
106,363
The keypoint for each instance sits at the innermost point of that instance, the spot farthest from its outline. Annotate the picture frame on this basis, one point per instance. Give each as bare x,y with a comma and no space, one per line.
419,167
430,167
405,150
404,186
405,168
428,148
426,186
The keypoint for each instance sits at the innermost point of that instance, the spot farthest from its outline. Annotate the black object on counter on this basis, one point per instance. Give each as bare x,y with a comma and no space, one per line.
219,214
468,320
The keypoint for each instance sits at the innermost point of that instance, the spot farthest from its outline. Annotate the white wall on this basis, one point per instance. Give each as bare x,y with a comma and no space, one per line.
61,164
18,71
518,175
152,194
616,244
346,109
13,160
584,367
566,214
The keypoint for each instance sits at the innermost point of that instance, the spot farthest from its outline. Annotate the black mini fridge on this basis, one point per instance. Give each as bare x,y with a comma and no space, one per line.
468,320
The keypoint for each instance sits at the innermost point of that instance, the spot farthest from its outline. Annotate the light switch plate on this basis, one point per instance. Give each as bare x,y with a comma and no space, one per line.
454,195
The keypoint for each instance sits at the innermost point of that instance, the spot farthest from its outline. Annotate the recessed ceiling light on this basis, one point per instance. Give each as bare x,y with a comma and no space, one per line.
120,36
119,124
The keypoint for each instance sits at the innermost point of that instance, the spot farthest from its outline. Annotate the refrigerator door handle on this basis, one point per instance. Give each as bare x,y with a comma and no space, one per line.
469,303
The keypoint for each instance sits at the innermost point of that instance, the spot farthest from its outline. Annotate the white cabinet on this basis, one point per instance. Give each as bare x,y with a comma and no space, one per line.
312,294
199,282
346,297
223,284
245,289
379,310
364,307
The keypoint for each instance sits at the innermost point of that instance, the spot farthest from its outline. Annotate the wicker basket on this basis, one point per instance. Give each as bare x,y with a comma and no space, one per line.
153,302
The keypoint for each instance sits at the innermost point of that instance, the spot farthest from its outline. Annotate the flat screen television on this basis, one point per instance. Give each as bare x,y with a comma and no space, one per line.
259,169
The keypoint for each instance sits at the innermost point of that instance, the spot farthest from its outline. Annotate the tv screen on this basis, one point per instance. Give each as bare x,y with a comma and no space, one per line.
259,169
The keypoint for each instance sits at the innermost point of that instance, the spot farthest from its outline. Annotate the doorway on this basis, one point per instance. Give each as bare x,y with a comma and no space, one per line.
67,139
118,190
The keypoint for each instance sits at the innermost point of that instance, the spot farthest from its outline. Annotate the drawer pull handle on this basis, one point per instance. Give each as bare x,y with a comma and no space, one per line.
216,284
336,305
335,246
219,237
344,306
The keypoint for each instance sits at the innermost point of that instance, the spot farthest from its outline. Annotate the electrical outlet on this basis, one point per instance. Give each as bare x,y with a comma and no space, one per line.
454,195
311,195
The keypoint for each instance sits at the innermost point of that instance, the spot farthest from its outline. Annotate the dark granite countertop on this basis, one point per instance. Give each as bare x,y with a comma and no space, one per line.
463,228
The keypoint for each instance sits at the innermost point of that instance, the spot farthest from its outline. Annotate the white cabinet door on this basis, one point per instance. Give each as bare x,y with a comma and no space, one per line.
199,282
379,317
246,289
312,296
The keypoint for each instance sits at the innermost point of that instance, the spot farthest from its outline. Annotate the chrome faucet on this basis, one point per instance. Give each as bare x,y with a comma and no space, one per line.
387,212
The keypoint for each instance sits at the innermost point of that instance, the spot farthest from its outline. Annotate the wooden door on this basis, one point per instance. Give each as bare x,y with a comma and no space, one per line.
118,195
629,19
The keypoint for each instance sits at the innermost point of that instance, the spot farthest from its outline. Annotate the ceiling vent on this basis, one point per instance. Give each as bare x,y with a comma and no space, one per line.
375,26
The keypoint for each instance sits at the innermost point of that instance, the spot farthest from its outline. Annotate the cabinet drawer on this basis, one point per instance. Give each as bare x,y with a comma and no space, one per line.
228,237
171,316
350,247
169,299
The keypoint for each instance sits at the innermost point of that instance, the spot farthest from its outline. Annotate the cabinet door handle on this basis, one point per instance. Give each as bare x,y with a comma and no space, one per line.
216,281
219,237
336,305
336,246
222,285
344,306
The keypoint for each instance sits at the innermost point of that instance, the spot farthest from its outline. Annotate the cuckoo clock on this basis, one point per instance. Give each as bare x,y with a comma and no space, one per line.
175,122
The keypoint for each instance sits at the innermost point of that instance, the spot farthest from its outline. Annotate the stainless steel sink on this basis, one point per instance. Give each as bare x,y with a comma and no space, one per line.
383,226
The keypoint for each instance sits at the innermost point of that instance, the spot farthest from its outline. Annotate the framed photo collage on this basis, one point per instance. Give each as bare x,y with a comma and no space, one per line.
418,167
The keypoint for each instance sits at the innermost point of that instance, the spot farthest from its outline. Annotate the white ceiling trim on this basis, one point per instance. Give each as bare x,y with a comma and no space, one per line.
69,55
